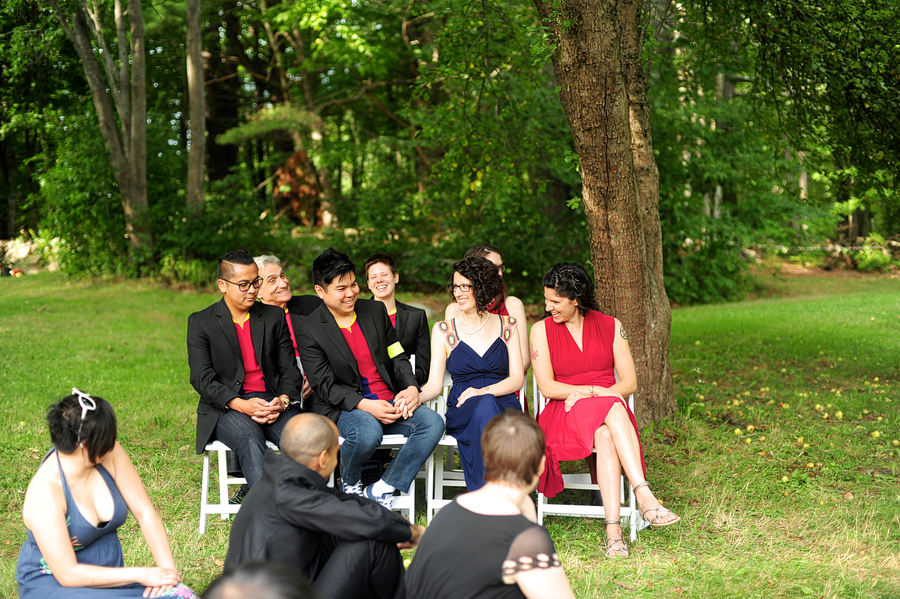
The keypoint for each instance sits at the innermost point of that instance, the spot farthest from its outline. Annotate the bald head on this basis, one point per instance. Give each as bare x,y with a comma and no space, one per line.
306,436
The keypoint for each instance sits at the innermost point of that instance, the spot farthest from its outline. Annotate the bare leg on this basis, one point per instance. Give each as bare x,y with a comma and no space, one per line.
608,472
628,449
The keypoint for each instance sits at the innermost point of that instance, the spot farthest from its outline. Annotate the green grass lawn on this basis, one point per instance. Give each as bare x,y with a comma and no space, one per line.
774,463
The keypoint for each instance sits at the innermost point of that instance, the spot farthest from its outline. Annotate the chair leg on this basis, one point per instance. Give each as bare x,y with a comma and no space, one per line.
437,494
429,487
223,480
204,493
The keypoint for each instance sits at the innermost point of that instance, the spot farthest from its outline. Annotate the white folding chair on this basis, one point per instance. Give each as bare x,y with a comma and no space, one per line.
222,506
628,512
440,467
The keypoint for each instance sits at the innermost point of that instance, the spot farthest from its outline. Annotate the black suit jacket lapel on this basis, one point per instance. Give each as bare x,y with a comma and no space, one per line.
402,324
226,322
332,332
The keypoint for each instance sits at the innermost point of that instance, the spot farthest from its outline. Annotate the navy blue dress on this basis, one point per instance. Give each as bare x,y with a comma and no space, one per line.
95,545
466,423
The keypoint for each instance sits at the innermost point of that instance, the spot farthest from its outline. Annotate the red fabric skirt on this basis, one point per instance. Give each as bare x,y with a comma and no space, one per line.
570,435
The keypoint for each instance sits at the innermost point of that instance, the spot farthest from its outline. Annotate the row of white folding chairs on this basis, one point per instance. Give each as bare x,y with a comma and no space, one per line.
440,474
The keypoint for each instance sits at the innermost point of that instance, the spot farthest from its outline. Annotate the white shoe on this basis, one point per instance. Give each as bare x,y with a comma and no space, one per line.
352,489
385,500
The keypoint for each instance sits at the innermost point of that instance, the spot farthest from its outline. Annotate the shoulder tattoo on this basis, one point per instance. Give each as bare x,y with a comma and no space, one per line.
622,332
534,353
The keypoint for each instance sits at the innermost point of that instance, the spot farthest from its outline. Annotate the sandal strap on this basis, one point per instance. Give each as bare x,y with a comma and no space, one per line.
661,512
608,522
616,545
643,484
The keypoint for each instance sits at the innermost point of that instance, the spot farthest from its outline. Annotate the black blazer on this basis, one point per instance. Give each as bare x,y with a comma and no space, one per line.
217,370
330,366
412,330
287,514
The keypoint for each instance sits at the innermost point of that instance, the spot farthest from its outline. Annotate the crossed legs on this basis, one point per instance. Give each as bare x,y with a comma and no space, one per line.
618,449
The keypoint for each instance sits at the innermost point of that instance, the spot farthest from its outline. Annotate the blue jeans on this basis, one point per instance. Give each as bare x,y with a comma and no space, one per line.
247,438
362,435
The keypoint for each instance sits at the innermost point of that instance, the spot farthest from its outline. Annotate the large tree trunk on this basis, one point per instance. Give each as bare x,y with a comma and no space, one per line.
197,109
126,141
604,94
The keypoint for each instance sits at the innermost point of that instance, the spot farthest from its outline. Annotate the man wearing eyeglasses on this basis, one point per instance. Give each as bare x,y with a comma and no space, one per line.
242,364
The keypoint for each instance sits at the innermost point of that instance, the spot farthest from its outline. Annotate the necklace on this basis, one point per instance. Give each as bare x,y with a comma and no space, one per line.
481,326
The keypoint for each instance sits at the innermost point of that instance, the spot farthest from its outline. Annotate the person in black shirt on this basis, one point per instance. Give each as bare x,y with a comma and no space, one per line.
348,545
486,543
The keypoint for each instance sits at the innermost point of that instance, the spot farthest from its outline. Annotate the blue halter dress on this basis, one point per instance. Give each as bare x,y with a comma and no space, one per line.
466,423
95,545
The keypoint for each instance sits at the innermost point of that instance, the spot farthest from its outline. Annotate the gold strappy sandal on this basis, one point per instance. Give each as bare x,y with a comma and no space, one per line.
613,544
658,512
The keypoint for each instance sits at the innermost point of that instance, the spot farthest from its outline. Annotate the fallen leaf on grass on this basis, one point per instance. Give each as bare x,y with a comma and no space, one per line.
219,563
848,495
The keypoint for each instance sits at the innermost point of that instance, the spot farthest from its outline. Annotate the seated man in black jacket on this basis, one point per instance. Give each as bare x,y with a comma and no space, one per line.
348,545
243,366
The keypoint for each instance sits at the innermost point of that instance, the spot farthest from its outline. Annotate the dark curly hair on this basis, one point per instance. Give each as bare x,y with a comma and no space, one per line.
486,282
482,251
571,280
98,431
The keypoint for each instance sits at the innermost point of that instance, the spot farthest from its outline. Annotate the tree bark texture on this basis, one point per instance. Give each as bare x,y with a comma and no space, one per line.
197,155
597,60
126,141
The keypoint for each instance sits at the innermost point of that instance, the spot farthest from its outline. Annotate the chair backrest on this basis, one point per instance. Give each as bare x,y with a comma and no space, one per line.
441,401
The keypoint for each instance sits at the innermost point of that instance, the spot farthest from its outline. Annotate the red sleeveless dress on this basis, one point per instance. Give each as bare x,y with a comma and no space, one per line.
570,435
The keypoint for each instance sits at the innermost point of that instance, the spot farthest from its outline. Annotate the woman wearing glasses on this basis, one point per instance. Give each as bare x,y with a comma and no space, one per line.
503,304
79,497
481,352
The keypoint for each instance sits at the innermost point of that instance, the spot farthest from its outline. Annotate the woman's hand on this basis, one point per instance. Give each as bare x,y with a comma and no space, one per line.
158,581
471,392
573,397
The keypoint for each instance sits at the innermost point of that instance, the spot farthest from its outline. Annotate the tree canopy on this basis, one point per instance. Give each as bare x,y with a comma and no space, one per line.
420,128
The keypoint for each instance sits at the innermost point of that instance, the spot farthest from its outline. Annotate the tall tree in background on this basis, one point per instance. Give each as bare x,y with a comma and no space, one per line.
603,85
123,85
197,108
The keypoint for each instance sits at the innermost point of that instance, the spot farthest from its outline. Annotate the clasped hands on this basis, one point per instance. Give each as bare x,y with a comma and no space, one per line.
260,410
405,404
158,581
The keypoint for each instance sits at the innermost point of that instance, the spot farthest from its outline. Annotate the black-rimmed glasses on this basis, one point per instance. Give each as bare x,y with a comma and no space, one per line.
245,286
87,404
464,288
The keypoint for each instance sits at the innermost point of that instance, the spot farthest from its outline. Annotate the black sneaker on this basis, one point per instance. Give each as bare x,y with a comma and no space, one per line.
238,497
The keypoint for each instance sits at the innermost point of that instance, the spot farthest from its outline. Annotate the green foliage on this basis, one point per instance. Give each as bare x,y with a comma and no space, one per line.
84,208
875,256
280,117
703,264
